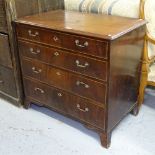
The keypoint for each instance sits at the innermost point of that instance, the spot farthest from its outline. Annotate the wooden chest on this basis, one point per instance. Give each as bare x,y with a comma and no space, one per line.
84,66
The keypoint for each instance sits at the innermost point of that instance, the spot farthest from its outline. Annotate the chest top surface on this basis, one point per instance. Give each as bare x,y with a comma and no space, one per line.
95,25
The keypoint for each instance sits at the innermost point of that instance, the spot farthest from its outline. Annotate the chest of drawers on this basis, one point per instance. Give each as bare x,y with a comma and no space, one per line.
84,66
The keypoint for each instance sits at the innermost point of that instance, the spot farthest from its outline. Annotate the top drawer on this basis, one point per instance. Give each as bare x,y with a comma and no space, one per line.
86,45
75,43
39,35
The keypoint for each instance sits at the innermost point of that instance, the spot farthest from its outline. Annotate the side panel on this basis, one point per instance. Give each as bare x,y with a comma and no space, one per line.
125,65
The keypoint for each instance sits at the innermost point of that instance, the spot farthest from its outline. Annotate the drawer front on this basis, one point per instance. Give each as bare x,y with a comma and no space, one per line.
7,81
86,45
34,69
44,94
5,56
63,101
3,27
39,35
65,80
77,63
75,43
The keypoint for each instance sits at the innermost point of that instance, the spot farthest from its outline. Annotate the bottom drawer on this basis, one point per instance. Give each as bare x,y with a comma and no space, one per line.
7,81
75,106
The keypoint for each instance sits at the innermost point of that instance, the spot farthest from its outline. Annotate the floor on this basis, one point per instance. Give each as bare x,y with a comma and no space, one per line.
40,131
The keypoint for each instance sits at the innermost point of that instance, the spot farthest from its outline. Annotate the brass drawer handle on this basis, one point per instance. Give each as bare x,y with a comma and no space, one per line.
33,35
33,52
59,94
80,65
77,42
40,90
56,54
58,73
36,71
55,38
83,110
78,83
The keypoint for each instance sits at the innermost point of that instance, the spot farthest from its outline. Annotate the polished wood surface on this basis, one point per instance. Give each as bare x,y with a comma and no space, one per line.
58,99
86,45
58,39
39,35
106,27
77,63
102,86
73,83
124,75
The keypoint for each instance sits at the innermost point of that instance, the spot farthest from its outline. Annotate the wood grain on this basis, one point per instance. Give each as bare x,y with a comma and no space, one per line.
77,63
110,27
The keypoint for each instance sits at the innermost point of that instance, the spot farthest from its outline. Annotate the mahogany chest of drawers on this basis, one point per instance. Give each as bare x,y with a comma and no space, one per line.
84,66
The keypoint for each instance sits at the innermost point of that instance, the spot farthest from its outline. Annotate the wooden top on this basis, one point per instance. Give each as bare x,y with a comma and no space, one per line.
95,25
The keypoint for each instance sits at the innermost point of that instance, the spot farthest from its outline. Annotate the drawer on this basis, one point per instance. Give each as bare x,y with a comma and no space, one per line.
86,45
34,69
5,56
75,43
39,35
65,80
77,63
44,94
62,101
7,81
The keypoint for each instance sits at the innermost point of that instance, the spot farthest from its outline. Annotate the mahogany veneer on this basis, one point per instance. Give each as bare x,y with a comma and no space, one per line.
84,66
